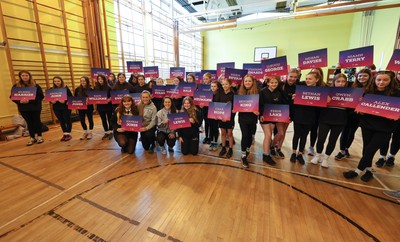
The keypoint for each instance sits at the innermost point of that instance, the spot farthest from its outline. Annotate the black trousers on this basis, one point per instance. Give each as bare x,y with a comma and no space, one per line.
106,119
64,117
148,138
300,134
214,133
323,131
395,146
347,137
190,145
162,137
82,115
32,118
372,141
247,135
204,113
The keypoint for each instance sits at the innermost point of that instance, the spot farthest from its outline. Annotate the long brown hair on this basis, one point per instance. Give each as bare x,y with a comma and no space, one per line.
254,87
104,86
20,83
192,111
84,89
337,76
389,90
317,75
62,82
121,109
357,83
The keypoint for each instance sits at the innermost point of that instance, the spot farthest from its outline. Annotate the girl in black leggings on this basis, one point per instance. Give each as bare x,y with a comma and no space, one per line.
61,110
81,91
105,110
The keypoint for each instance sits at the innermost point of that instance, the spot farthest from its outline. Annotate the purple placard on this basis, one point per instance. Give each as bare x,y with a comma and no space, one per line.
134,66
78,103
363,56
176,72
23,93
116,96
276,113
311,96
275,66
213,73
135,97
313,59
204,87
158,91
379,105
172,91
235,75
99,71
151,71
178,120
345,97
254,70
220,111
246,103
187,89
131,123
394,63
221,67
97,97
203,98
56,94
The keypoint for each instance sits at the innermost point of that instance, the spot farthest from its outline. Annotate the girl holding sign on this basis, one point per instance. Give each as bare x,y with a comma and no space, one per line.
189,137
331,120
164,133
148,112
247,121
125,139
105,110
82,91
376,130
122,84
204,111
61,110
214,123
30,109
141,86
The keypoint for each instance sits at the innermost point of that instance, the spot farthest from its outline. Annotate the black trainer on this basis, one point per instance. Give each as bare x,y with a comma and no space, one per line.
272,151
339,156
245,164
380,162
229,154
279,154
293,158
350,174
300,158
367,176
268,159
390,161
206,140
222,152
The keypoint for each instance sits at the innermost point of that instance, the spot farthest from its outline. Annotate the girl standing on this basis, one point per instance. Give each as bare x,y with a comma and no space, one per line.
164,133
122,84
61,110
178,101
111,80
158,102
214,123
82,91
148,112
105,110
204,111
141,86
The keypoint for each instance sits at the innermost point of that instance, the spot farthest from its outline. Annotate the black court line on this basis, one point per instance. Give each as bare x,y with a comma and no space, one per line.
76,227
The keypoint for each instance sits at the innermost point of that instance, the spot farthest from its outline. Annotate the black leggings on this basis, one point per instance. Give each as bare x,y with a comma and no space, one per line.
204,112
126,140
162,137
247,131
214,133
395,146
347,137
106,120
333,137
64,117
148,138
32,118
190,145
89,114
300,133
314,130
372,141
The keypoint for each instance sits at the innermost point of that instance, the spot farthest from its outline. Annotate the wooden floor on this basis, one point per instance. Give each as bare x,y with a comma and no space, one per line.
88,190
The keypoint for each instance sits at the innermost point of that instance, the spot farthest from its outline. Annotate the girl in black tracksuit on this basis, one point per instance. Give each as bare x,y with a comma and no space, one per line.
376,130
105,110
215,88
61,110
82,91
303,121
247,121
204,112
30,110
332,120
189,137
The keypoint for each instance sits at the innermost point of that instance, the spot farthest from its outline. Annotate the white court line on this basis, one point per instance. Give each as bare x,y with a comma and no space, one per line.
63,192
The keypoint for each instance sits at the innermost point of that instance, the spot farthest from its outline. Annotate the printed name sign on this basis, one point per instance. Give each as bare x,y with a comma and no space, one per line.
246,103
222,66
204,87
220,111
78,103
384,106
116,96
394,63
202,98
56,94
23,93
345,97
313,59
151,71
135,97
275,66
131,123
99,71
276,113
97,97
178,121
311,96
187,89
235,75
363,56
177,72
254,70
158,91
134,66
172,91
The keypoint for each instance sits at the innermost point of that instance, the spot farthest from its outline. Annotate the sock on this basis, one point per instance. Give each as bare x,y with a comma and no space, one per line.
382,157
90,131
390,155
358,171
243,153
248,149
265,154
368,168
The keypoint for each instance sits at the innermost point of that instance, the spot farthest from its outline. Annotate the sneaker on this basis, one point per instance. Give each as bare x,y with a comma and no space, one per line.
380,162
163,151
300,159
325,161
63,138
31,142
222,152
346,153
40,140
316,159
268,159
272,151
393,194
206,140
89,136
350,174
84,136
244,162
105,136
279,154
211,147
390,161
68,137
170,149
339,156
367,176
293,158
310,151
229,153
